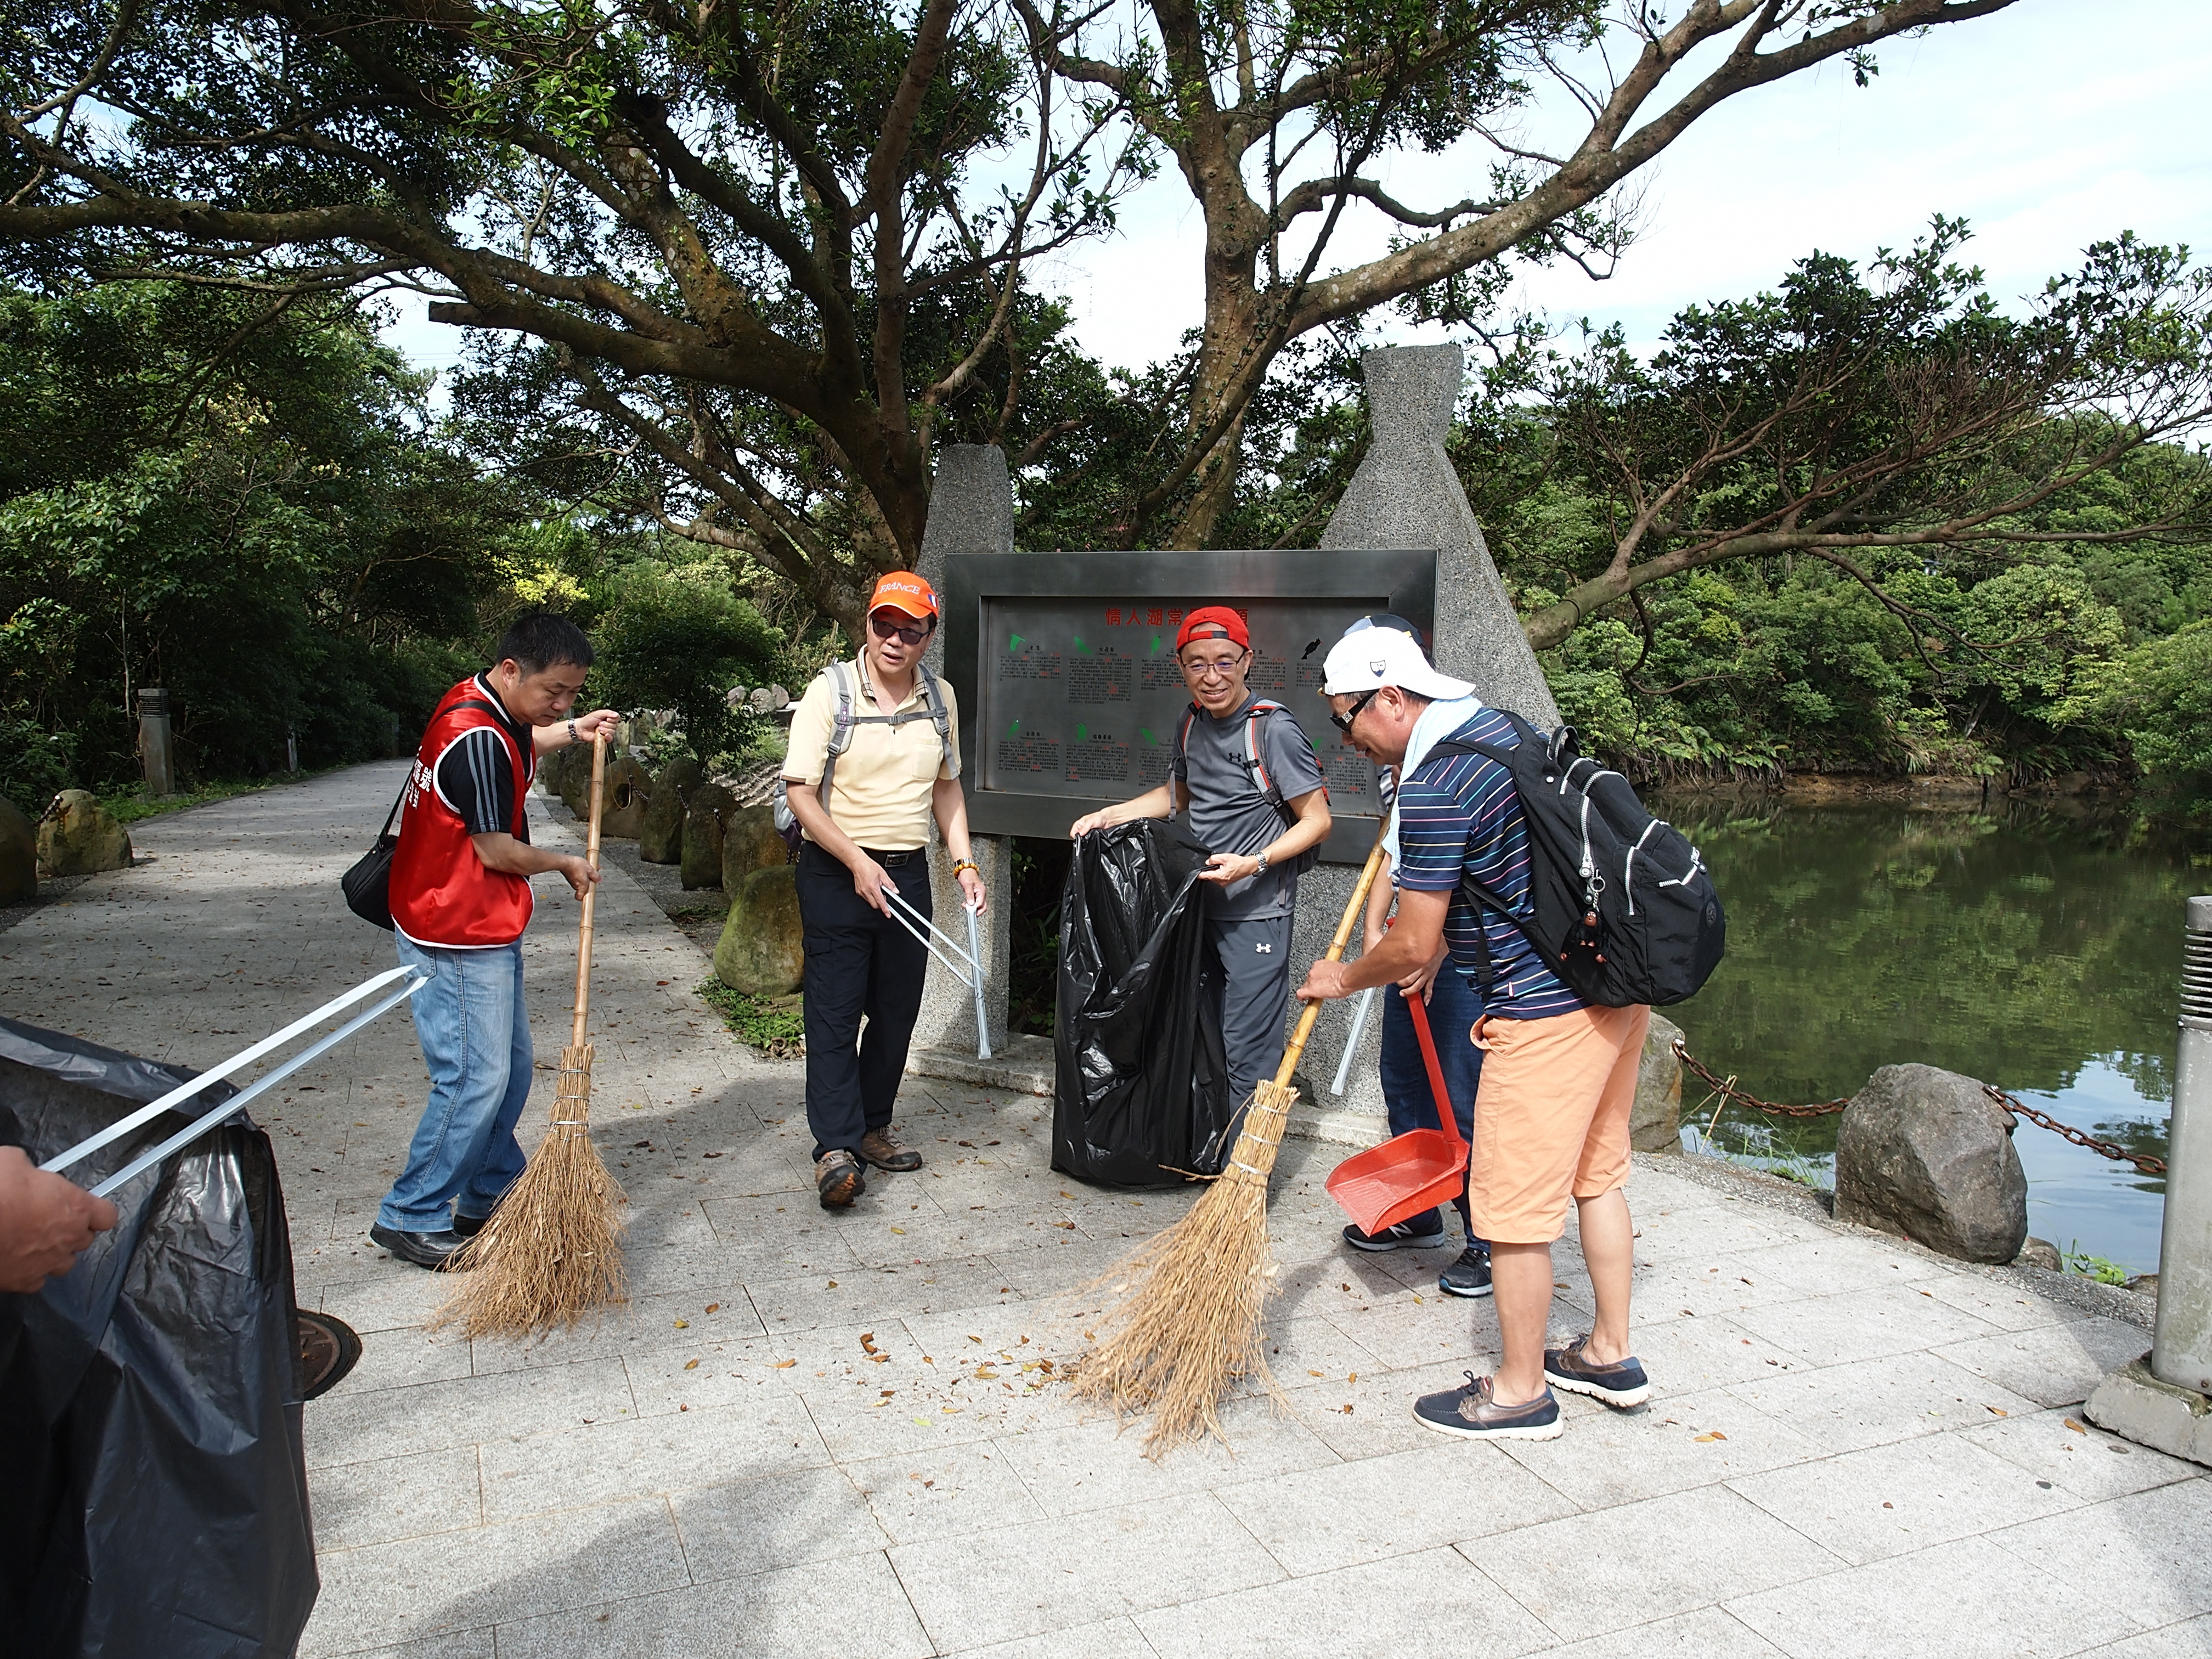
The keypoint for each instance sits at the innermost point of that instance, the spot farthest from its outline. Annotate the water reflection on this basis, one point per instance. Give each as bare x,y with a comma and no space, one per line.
2037,949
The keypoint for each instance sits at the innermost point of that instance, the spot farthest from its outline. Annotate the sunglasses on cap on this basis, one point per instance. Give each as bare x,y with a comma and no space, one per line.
887,627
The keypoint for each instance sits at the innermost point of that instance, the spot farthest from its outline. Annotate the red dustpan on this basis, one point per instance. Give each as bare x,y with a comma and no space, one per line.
1407,1173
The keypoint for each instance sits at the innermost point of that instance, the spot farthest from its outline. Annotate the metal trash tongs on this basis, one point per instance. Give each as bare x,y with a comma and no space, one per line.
973,979
415,980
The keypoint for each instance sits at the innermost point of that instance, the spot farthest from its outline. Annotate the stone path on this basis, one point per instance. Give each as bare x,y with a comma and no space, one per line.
842,1435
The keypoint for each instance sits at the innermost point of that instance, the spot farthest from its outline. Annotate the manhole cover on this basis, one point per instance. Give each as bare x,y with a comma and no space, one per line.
328,1349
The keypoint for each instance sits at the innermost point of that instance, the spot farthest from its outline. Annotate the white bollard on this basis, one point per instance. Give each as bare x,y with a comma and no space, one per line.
2181,1348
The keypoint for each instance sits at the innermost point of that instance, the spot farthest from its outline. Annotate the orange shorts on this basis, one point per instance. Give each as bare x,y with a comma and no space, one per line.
1551,1118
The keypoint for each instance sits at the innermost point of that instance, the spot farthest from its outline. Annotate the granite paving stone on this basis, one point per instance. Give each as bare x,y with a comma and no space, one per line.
1595,1573
1891,1500
1963,1600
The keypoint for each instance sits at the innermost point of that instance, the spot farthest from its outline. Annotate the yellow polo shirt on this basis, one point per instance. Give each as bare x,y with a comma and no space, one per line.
879,794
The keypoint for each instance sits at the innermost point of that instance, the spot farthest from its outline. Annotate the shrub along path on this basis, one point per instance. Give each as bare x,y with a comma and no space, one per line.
815,1434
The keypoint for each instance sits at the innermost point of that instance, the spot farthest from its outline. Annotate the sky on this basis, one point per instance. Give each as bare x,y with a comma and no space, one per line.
2051,125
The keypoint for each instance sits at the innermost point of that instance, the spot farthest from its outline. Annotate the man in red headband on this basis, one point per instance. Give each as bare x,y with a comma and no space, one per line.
1248,777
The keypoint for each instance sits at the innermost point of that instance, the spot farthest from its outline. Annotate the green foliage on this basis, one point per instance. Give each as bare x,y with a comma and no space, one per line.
2101,1269
675,637
2159,695
774,1025
232,499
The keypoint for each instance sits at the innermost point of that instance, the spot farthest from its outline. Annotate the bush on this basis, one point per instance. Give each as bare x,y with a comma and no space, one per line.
675,637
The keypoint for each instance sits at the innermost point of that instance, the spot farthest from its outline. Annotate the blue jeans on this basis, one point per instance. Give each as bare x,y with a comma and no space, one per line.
475,1040
1407,1096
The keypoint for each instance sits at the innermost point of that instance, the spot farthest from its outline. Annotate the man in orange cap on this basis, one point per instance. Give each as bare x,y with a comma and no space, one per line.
1247,776
874,756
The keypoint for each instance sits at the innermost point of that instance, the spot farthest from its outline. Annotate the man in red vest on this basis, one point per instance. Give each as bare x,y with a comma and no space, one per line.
461,900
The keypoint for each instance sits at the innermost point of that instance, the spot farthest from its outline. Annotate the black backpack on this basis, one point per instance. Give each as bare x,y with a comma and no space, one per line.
1625,907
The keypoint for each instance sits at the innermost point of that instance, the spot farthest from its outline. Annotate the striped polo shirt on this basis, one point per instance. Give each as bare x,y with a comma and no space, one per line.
1458,816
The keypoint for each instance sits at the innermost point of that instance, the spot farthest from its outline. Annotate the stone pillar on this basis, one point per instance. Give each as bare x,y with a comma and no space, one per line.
1406,494
971,510
156,751
2182,1354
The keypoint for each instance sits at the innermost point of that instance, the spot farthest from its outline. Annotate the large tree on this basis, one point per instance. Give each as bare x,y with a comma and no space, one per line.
1894,410
773,250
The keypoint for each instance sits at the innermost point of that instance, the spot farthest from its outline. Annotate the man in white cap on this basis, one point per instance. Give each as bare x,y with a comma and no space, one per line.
1558,1076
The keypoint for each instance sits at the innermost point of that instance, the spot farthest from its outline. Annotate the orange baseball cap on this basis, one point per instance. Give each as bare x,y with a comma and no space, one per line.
904,591
1214,622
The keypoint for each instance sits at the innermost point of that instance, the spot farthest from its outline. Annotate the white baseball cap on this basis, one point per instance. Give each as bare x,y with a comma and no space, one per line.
1368,657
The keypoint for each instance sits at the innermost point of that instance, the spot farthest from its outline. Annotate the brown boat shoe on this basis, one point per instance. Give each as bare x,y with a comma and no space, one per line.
880,1150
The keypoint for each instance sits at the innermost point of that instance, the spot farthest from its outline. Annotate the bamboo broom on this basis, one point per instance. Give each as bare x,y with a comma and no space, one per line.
1193,1317
551,1252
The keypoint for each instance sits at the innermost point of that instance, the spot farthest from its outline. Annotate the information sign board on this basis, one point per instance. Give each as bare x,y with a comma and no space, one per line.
1070,695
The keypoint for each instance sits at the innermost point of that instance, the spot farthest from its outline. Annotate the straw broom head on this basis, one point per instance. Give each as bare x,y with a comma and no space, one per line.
552,1251
1194,1318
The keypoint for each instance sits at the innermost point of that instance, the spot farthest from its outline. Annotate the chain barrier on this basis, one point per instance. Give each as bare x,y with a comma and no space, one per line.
2142,1161
1725,1089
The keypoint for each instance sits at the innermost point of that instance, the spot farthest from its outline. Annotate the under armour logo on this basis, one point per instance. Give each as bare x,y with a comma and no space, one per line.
1265,950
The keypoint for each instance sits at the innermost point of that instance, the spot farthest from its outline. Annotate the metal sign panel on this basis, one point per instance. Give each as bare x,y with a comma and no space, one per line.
1070,695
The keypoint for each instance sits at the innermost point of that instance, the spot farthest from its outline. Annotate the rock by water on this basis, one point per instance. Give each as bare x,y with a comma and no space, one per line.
1925,1154
78,836
1655,1122
763,950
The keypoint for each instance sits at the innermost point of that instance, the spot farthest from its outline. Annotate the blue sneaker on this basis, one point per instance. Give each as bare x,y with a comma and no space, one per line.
1472,1412
1621,1385
1420,1232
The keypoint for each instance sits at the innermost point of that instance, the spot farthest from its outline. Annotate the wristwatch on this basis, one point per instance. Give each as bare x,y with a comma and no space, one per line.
1263,863
573,738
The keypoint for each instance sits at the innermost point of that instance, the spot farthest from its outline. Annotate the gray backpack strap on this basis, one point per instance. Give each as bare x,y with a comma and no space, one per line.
841,730
933,695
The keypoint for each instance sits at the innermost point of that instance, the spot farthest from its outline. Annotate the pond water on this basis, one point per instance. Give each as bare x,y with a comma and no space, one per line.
2035,949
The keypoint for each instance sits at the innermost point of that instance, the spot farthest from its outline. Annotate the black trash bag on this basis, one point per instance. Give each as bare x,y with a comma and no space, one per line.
1141,1092
155,1485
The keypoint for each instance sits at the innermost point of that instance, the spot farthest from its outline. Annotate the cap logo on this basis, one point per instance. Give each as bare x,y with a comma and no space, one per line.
1377,664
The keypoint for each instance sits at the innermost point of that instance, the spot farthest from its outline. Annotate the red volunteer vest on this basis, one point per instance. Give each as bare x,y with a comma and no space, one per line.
441,892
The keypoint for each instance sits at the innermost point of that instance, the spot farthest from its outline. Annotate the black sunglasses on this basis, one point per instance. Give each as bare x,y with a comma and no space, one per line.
1343,722
886,629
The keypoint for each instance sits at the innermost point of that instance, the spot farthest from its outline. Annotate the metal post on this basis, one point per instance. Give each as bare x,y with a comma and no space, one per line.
2181,1348
976,963
156,752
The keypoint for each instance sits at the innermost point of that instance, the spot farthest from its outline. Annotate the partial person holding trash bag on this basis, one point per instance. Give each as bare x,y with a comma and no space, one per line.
47,1221
1246,774
153,1482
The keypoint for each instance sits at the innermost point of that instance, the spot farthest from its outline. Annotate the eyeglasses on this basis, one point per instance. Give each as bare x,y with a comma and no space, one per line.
887,629
1213,670
1343,722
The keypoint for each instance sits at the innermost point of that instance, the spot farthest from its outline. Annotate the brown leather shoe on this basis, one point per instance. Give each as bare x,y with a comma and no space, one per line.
880,1150
837,1178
